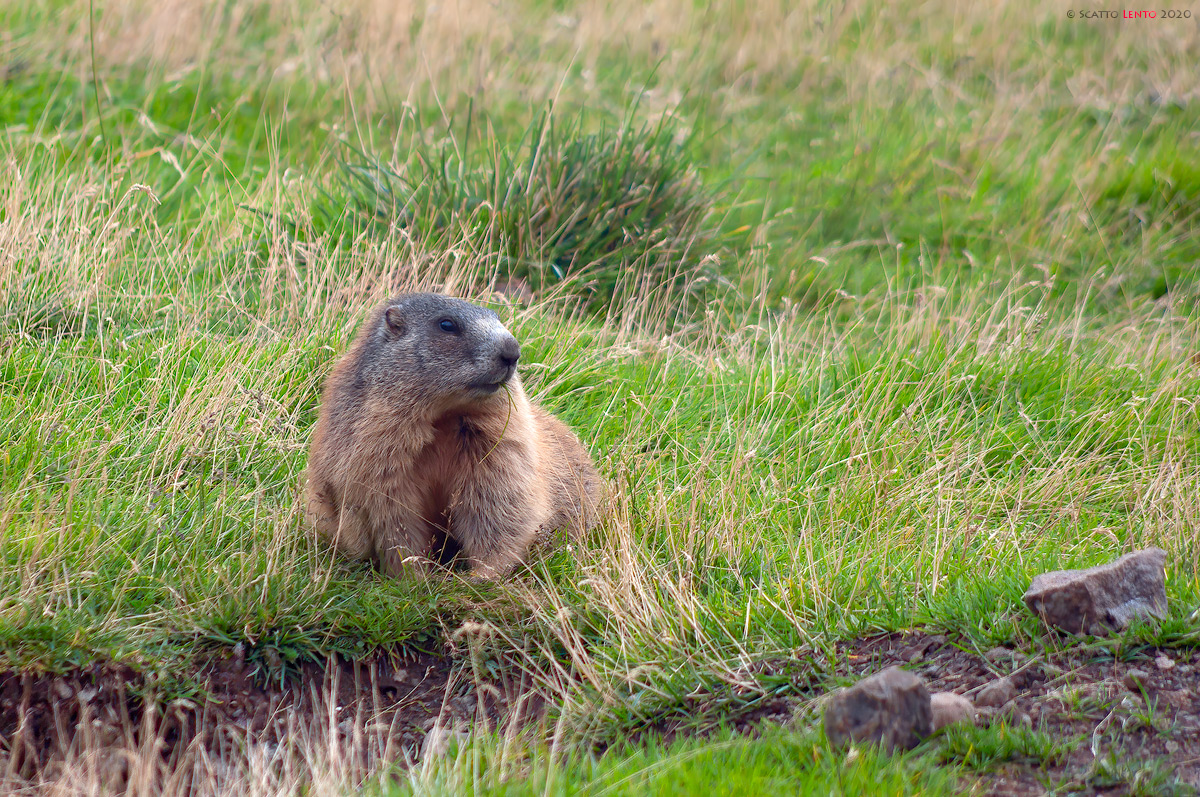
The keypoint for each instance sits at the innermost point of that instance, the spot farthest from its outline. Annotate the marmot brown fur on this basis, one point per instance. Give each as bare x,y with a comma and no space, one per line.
426,445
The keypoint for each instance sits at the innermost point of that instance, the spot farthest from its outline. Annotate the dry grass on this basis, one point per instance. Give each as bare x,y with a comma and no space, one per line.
872,51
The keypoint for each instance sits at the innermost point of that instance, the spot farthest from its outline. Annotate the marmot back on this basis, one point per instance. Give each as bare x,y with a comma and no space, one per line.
426,444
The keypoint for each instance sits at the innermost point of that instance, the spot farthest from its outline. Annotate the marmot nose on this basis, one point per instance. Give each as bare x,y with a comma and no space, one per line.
509,353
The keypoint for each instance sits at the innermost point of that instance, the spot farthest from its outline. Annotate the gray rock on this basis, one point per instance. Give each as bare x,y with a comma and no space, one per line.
997,693
890,708
948,708
1135,679
1102,599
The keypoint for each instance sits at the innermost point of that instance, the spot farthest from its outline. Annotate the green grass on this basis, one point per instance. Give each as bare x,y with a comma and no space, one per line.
986,749
777,762
1153,778
956,345
601,216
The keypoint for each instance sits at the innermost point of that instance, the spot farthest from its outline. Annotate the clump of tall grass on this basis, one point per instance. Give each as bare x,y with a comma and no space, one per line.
594,214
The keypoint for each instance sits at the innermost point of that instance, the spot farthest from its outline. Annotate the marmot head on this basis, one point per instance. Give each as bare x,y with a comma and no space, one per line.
439,348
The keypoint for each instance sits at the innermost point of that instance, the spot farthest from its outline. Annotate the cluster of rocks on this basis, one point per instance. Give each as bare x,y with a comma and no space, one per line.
895,709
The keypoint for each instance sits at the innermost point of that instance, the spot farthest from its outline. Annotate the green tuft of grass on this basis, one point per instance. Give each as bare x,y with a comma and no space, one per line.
1149,778
983,749
601,214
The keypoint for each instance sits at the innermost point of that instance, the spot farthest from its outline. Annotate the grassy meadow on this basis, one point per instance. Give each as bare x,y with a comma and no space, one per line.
868,312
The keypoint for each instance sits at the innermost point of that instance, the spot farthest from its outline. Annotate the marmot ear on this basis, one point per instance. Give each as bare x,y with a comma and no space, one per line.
395,320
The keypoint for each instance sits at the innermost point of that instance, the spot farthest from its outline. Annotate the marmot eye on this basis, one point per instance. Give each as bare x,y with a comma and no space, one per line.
448,326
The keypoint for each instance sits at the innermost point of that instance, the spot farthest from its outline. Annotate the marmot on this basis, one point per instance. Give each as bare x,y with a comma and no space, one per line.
426,445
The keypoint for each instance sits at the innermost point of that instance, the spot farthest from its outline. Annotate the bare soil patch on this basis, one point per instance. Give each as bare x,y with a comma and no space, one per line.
106,722
104,727
1078,696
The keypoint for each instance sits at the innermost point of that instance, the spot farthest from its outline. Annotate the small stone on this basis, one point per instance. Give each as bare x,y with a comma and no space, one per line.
948,708
891,708
1104,598
1172,746
997,693
1164,662
1135,679
1028,675
62,689
1178,699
